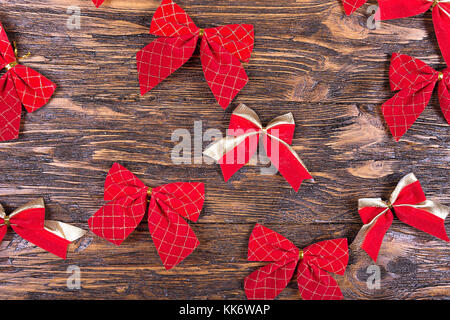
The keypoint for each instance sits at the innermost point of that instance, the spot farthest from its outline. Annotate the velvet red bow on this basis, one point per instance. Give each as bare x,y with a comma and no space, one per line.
29,223
416,82
395,9
410,205
98,3
244,132
221,50
168,205
312,263
19,86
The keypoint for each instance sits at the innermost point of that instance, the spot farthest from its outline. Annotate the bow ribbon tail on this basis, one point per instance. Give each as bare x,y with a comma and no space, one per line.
377,219
427,216
162,57
223,71
267,282
444,96
11,109
286,160
174,239
317,284
441,21
319,260
389,9
233,152
53,236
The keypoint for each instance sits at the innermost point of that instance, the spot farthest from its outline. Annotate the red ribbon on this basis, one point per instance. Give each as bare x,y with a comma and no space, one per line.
245,130
168,206
390,9
19,86
416,82
29,223
410,206
313,265
221,51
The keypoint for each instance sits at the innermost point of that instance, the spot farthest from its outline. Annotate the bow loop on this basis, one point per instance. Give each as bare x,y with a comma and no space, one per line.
410,205
7,55
316,261
416,82
29,222
168,205
235,150
170,20
172,235
221,50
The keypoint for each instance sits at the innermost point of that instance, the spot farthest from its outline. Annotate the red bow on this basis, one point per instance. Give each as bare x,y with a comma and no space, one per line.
416,82
29,223
168,205
235,150
316,261
19,85
221,50
395,9
98,3
410,206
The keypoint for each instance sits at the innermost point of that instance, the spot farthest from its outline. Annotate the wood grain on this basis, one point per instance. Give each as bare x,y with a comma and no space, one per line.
310,59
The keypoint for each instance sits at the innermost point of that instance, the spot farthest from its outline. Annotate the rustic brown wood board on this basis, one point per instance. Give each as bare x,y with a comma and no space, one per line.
310,59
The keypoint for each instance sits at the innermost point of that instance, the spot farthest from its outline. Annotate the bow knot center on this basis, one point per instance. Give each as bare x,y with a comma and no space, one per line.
441,76
301,255
6,221
201,32
11,65
435,3
389,205
149,193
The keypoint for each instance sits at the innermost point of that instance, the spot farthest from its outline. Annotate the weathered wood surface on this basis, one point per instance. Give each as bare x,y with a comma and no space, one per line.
329,70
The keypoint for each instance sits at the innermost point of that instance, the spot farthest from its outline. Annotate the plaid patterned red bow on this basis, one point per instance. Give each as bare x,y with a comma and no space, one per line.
395,9
390,9
416,82
313,264
410,205
244,132
168,205
19,86
29,223
98,3
221,51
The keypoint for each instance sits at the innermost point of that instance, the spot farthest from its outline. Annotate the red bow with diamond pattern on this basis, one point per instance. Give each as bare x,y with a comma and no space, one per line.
168,206
416,82
221,50
29,222
98,3
410,205
244,132
19,86
351,6
312,263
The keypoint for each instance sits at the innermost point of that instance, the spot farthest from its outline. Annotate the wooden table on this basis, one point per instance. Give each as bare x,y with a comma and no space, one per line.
329,70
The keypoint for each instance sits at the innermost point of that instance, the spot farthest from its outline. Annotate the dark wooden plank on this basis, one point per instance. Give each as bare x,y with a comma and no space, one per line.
329,70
